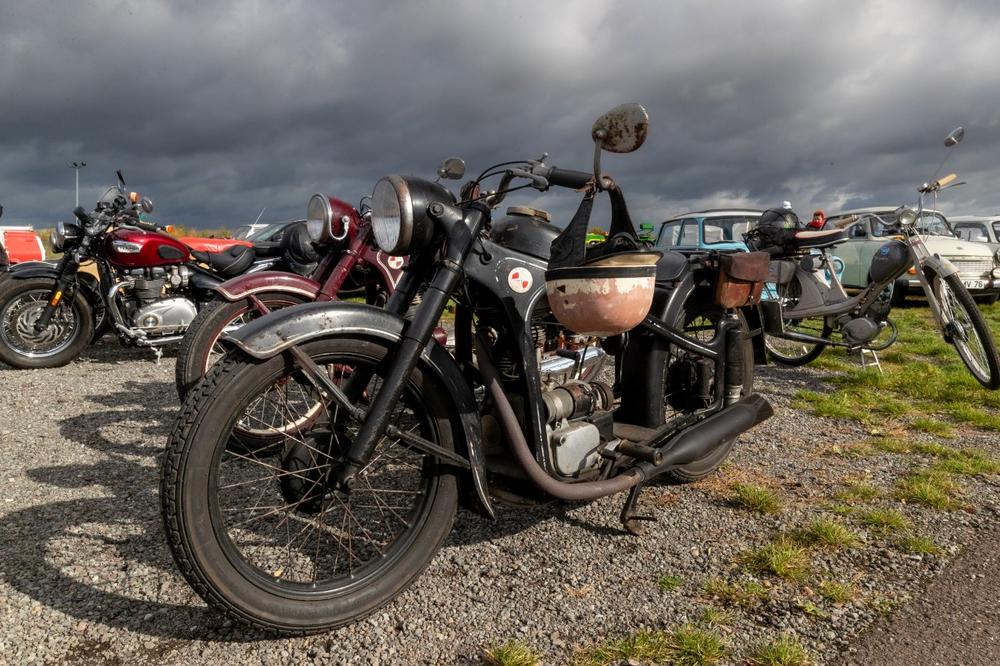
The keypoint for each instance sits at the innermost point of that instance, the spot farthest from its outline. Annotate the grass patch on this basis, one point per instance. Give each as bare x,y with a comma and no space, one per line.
930,487
782,557
511,653
688,645
716,616
858,491
969,462
836,592
842,509
918,544
851,451
975,416
669,582
932,426
785,650
754,497
744,594
884,521
827,533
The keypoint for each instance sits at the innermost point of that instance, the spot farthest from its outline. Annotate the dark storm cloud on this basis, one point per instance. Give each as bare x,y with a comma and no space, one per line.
218,109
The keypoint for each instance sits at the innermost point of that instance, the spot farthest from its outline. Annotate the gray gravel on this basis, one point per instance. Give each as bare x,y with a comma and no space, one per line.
85,574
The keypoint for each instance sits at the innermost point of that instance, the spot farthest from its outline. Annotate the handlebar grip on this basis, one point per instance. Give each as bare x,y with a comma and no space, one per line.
81,214
569,178
148,226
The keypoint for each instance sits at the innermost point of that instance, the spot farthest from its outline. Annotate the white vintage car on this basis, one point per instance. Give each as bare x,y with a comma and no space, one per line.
978,263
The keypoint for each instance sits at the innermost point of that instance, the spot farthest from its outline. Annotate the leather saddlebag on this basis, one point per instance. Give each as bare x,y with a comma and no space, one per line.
741,278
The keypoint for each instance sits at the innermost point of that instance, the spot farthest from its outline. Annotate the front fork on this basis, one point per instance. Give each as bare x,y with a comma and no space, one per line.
66,269
921,257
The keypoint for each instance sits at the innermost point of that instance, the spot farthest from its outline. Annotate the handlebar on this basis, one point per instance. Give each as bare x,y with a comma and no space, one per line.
574,180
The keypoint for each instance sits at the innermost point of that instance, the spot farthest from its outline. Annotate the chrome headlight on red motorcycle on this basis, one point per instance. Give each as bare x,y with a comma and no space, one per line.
328,219
399,213
65,234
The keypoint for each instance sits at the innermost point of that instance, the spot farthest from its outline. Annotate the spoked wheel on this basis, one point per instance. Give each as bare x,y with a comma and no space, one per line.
699,322
201,349
793,352
69,331
968,331
265,537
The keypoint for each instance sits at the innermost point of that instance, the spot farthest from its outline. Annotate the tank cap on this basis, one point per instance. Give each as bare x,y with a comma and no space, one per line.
530,212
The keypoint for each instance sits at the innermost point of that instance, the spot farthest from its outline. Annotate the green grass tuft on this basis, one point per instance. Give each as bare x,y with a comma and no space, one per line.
511,653
932,426
827,533
918,544
858,491
669,582
884,521
688,645
716,616
835,591
755,497
785,650
782,557
930,487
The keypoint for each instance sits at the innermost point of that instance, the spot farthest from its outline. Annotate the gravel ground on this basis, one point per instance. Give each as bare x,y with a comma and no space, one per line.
85,574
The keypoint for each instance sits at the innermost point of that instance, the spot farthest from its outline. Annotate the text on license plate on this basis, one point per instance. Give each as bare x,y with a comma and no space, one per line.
974,284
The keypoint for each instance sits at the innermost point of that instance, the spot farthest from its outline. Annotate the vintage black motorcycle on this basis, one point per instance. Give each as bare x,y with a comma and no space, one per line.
392,431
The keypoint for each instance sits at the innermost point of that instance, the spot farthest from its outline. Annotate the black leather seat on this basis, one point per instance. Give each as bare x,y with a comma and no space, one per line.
671,267
229,262
817,239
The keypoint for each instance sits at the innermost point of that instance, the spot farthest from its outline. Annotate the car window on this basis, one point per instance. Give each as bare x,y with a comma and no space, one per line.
972,231
996,230
679,232
725,229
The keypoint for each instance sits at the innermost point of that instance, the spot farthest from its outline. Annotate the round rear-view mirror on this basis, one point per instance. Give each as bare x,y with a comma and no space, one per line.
622,129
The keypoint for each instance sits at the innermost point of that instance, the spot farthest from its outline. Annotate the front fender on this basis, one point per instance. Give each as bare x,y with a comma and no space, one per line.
242,286
939,265
32,269
268,336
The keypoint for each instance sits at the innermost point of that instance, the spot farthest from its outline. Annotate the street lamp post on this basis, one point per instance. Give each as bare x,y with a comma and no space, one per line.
76,166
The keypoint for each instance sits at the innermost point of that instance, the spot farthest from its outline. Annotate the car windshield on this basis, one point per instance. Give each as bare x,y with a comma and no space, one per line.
972,231
725,229
679,232
929,224
266,232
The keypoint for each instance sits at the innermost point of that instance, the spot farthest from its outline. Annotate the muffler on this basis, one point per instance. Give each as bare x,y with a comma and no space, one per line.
697,441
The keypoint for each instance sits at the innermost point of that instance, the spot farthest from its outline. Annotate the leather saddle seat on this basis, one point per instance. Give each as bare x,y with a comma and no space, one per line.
229,262
671,267
822,238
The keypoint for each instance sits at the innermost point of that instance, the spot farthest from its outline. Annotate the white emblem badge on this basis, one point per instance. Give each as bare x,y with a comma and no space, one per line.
395,263
519,280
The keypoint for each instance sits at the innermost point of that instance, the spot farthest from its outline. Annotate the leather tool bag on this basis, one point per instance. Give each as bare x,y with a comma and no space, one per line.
741,278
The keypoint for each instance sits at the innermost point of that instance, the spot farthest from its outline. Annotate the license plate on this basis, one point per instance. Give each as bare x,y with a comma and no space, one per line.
974,284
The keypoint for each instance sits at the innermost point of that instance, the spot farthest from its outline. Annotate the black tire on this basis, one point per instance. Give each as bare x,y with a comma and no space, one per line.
72,325
790,354
972,338
234,581
195,354
699,469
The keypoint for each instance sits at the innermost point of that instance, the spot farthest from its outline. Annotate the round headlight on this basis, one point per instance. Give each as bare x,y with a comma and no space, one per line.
906,216
58,237
323,220
399,213
392,208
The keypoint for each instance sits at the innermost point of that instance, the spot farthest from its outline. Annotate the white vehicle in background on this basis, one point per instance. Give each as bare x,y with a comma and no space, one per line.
978,228
978,263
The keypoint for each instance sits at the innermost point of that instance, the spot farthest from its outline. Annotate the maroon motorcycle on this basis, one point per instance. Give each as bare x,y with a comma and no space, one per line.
349,265
150,286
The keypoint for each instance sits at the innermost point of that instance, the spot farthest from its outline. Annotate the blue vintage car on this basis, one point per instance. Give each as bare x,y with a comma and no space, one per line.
716,229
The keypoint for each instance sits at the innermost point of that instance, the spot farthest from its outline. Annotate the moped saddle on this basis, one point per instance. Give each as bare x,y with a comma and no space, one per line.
671,267
230,262
817,239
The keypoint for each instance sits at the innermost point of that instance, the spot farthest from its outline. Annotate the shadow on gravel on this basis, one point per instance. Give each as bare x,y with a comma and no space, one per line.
104,560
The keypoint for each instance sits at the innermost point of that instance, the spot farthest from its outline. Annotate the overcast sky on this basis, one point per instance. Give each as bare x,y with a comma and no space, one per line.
217,109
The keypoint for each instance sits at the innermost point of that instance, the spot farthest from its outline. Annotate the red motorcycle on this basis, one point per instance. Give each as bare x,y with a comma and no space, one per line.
150,286
350,265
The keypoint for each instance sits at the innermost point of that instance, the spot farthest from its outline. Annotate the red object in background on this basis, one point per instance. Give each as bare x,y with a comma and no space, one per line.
212,244
151,248
818,220
21,245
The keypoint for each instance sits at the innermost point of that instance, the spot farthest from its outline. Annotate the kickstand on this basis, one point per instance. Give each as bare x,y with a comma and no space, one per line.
158,353
628,516
874,362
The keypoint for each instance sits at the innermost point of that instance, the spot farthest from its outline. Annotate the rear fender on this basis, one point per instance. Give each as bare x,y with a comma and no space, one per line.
268,336
242,286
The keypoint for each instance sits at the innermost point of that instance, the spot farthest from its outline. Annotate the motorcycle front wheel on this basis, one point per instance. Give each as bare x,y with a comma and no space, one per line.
69,331
968,332
261,536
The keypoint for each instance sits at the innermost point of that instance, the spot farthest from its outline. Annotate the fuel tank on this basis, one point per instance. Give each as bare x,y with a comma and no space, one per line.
890,260
526,230
129,247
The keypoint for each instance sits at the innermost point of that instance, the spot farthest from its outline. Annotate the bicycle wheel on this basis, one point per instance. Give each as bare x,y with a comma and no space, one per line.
795,352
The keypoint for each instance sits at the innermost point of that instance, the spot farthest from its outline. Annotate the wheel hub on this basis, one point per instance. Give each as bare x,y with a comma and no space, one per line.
21,321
